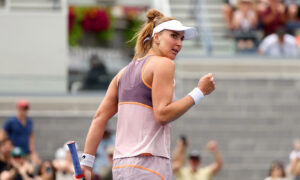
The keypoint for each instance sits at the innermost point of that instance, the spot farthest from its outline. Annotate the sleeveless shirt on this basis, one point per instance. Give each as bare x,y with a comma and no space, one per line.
138,132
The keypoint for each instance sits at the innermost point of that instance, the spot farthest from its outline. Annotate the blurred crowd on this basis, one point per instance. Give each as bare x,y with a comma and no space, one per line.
291,171
269,27
18,158
194,168
20,161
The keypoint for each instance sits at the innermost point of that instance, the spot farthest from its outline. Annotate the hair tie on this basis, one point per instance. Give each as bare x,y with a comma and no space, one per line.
146,39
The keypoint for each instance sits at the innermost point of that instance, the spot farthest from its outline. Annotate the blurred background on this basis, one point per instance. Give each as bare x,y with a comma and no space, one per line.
60,55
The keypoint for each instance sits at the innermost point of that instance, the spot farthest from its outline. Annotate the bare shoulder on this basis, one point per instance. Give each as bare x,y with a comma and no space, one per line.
162,62
118,76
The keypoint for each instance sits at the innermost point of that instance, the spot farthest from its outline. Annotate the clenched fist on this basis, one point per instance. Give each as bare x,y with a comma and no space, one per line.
207,84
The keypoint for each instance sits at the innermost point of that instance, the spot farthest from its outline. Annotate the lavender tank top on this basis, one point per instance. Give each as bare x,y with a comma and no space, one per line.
138,132
132,88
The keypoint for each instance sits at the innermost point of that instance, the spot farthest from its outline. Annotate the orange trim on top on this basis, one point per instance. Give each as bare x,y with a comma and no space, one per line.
140,167
146,154
142,74
141,104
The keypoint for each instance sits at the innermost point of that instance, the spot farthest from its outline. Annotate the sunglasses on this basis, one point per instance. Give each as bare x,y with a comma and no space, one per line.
17,157
25,108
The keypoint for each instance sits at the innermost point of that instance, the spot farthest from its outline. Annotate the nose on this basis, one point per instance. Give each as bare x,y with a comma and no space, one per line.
179,43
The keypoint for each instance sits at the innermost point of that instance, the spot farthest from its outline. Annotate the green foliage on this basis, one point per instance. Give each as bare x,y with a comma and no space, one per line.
133,27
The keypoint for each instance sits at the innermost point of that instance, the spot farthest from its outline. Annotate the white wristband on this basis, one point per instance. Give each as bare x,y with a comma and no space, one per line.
197,95
87,160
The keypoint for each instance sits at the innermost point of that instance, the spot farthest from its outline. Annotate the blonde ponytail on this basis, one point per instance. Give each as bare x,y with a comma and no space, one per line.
144,36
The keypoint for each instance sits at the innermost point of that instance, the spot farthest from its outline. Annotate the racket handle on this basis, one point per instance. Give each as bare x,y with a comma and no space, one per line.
75,160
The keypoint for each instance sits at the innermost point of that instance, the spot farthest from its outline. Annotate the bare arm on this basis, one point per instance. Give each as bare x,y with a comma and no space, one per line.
2,134
8,174
218,161
105,111
236,22
281,10
162,93
23,172
31,142
260,52
254,20
295,166
33,154
178,155
165,110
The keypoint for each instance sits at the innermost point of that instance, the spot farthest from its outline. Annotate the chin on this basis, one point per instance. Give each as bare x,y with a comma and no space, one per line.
172,56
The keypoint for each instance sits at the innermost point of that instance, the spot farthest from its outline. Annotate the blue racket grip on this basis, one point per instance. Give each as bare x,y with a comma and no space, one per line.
75,160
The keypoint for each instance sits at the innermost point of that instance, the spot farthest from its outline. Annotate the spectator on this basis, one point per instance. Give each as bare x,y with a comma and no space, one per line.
293,9
228,9
105,172
276,171
20,130
97,76
261,6
244,17
272,17
279,44
21,168
244,24
296,152
47,171
294,164
293,23
102,159
5,150
193,170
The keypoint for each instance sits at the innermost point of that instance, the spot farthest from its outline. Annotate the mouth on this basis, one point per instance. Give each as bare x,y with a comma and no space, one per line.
175,51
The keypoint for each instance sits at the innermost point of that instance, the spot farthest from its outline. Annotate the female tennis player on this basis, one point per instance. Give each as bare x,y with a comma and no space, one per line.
142,94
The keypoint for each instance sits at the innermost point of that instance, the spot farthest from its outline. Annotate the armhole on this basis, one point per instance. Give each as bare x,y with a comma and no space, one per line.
142,73
119,75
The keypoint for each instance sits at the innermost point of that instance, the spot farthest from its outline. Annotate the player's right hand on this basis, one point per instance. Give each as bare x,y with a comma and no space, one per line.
87,172
207,84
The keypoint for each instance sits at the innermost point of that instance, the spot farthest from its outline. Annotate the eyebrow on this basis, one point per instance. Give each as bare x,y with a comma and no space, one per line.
177,33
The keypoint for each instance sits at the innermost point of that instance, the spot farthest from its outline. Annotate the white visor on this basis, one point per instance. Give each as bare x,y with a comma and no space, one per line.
175,25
